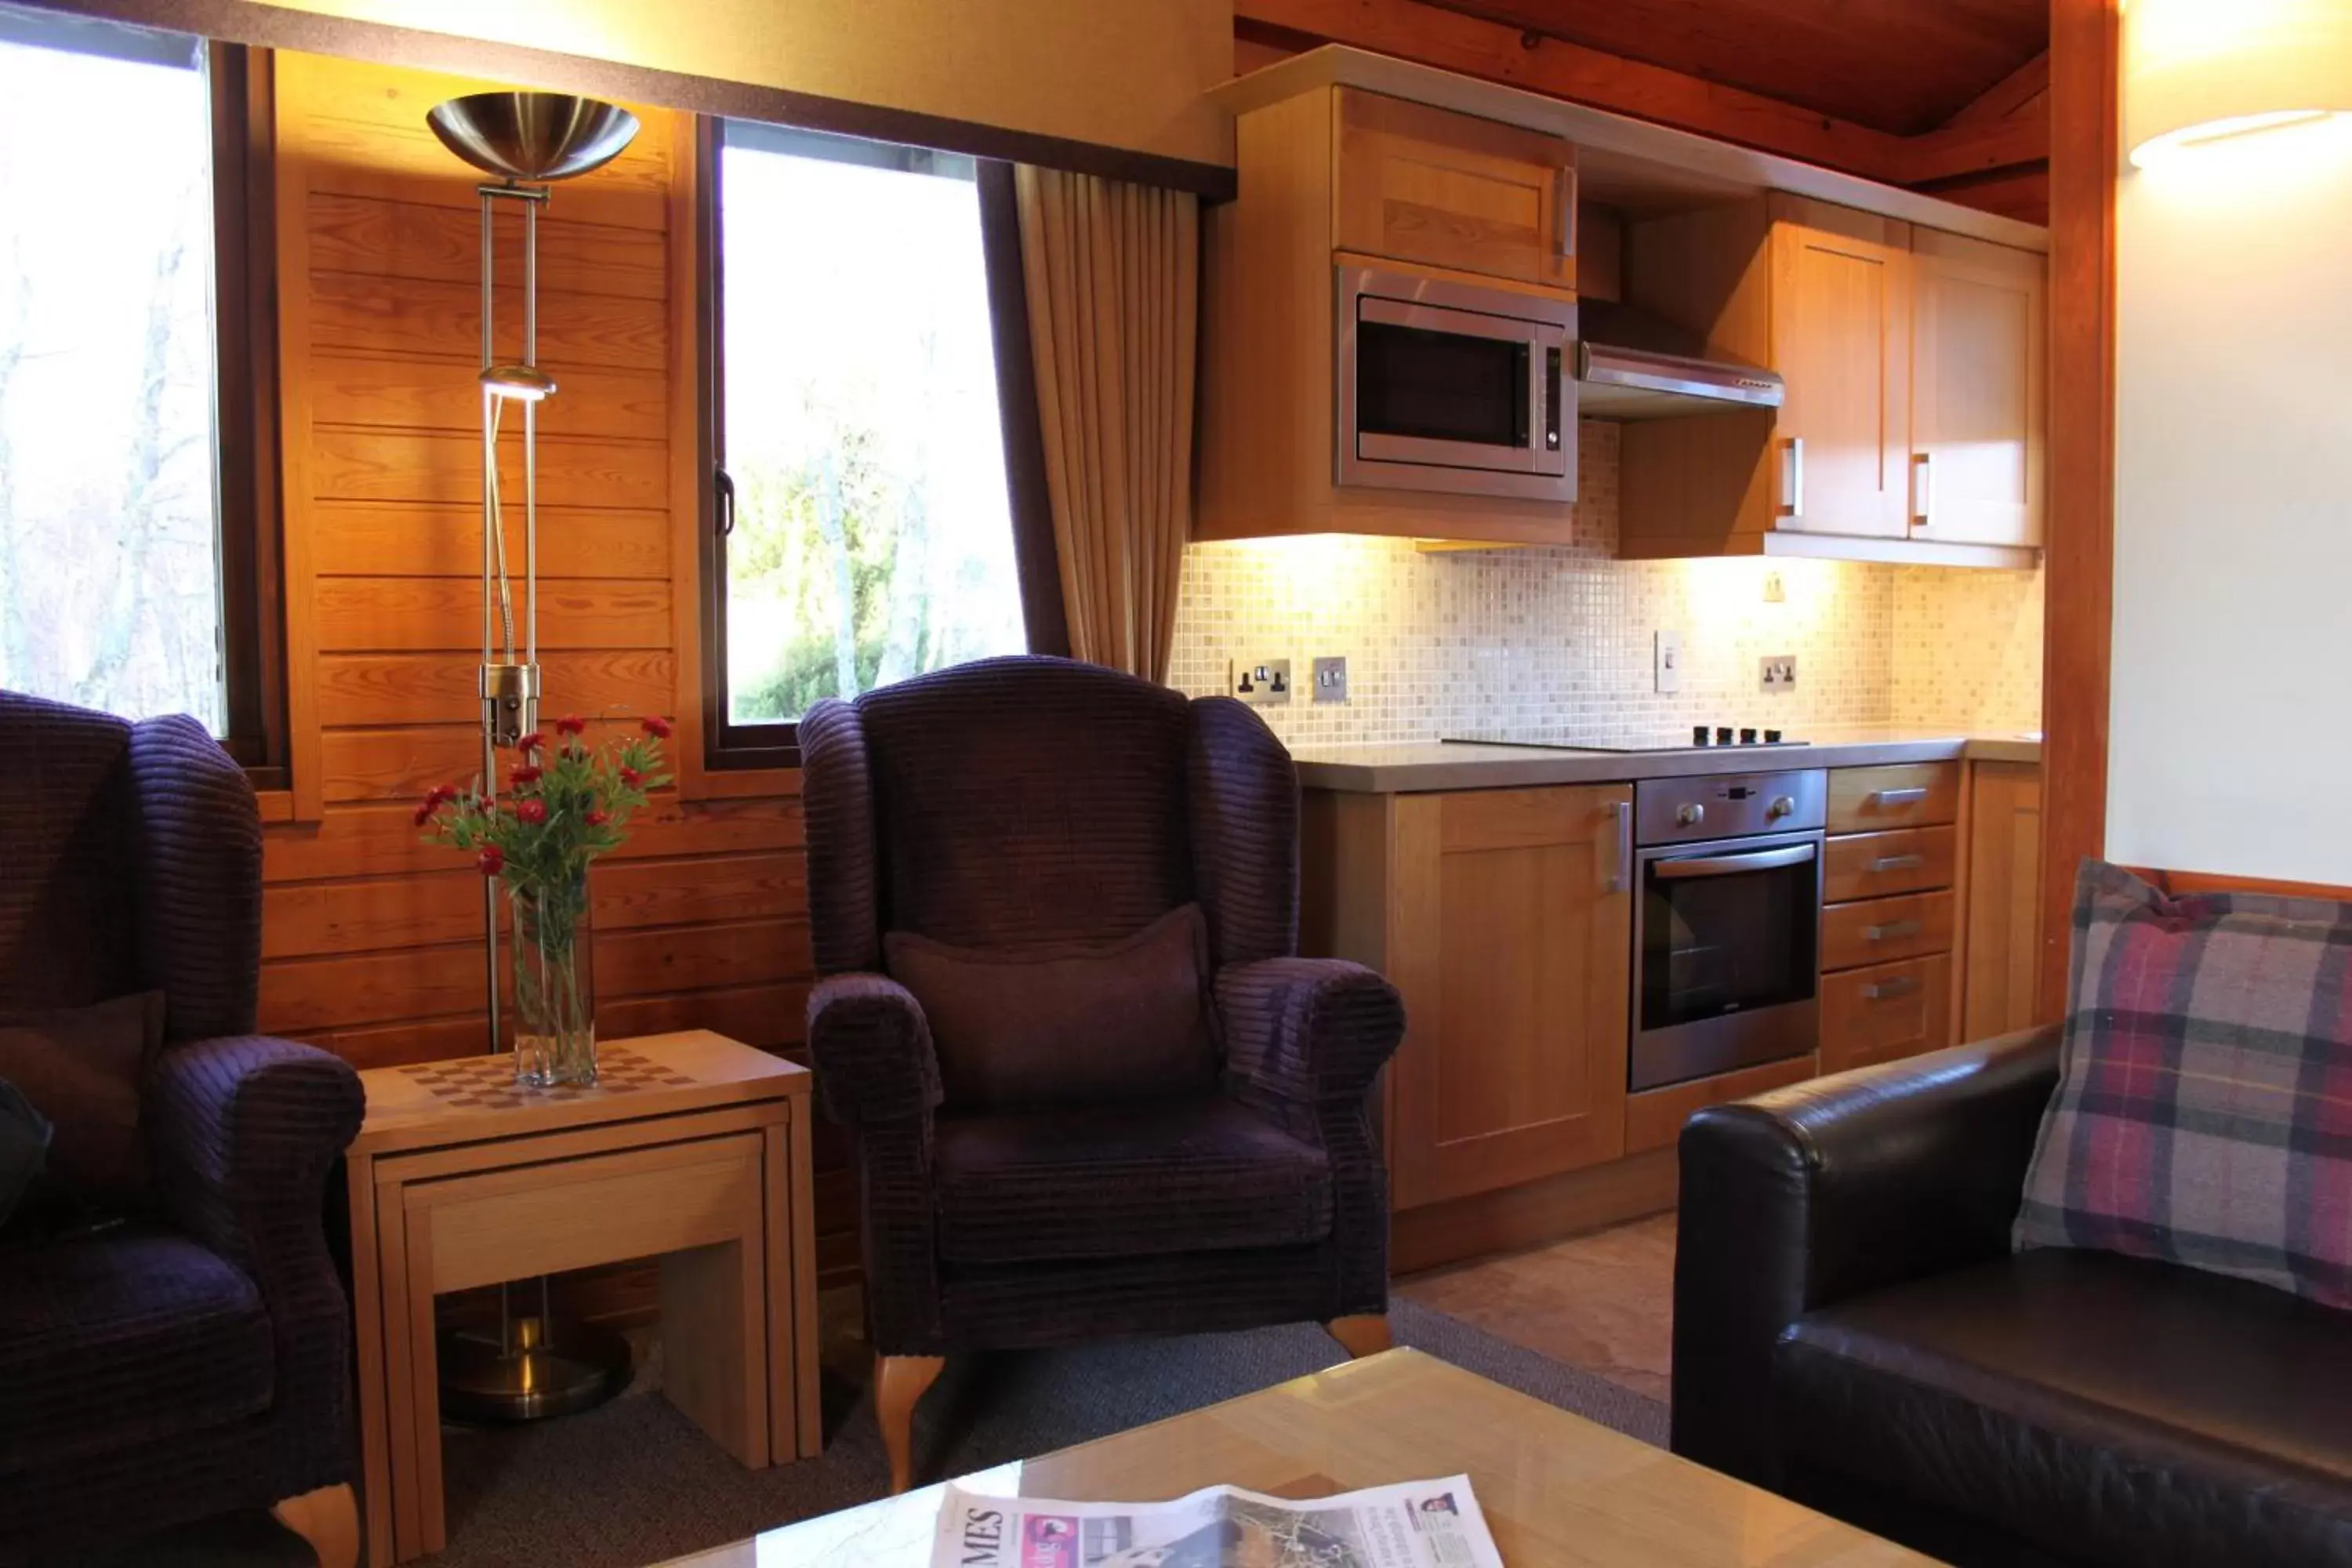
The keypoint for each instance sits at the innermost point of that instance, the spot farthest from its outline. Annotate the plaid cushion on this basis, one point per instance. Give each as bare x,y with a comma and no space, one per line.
2204,1106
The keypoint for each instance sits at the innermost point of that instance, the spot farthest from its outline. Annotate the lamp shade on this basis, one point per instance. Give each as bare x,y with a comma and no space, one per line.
2201,71
532,135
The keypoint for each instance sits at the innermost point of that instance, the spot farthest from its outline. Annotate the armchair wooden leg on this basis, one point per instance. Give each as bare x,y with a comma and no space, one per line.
899,1382
329,1520
1361,1336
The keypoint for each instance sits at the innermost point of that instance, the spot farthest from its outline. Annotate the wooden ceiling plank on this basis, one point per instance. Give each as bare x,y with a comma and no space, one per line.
1495,52
2010,95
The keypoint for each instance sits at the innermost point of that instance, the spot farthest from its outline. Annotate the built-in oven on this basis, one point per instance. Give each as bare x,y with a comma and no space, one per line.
1727,922
1445,385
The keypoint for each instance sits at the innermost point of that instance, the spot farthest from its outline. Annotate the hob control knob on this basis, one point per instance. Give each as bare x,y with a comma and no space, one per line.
1723,734
1699,734
1690,815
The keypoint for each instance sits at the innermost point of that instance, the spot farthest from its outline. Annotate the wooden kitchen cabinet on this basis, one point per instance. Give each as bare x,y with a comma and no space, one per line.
1890,912
1418,184
1335,176
1886,1012
1840,337
1911,428
1978,380
1504,919
2004,913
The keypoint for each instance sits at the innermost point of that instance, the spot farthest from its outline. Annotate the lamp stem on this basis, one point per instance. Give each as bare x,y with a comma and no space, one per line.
530,442
490,545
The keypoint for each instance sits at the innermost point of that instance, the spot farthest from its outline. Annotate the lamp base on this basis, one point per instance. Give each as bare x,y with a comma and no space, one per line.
555,1366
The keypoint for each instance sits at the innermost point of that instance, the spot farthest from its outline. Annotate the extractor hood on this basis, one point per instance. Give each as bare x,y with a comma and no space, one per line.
1632,366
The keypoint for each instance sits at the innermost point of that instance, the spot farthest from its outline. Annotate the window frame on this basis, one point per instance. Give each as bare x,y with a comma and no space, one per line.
728,746
246,506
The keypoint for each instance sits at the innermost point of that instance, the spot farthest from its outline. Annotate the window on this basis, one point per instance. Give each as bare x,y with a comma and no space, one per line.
863,530
127,404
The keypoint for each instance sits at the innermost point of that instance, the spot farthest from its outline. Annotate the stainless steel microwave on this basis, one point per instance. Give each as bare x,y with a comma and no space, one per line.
1451,386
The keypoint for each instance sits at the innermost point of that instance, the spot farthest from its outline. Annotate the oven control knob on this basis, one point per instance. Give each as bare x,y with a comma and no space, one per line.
1690,815
1783,806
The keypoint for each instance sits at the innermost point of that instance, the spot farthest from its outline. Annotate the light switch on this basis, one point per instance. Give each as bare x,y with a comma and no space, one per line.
1669,661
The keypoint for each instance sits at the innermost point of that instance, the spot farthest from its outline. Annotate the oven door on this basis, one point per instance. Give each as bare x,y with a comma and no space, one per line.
1726,940
1449,386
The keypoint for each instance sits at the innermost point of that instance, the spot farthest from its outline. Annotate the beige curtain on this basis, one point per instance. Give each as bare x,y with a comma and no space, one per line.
1112,275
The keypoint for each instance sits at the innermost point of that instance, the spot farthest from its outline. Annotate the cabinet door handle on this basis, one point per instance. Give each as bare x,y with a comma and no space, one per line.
1564,227
1921,494
1793,478
1912,797
1892,931
1620,871
1887,990
1897,863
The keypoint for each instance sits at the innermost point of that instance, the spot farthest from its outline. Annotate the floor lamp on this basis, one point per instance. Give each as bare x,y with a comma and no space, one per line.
537,1366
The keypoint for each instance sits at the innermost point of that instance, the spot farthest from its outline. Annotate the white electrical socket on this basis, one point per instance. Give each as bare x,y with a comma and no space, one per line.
1669,661
1779,671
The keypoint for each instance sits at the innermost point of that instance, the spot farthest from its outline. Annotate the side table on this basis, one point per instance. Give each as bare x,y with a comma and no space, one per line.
691,1147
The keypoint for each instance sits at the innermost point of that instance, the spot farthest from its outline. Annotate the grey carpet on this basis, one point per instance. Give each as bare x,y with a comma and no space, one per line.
635,1483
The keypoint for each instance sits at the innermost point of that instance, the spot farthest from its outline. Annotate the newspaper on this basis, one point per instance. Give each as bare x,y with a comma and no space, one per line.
1417,1524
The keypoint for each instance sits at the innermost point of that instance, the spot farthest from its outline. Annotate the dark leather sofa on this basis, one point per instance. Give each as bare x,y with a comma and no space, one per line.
1853,1330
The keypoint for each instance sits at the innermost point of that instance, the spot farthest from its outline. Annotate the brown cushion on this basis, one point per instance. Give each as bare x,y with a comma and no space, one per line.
1067,1024
80,1068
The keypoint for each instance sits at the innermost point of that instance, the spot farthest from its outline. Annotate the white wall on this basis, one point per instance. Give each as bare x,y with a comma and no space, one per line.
2232,705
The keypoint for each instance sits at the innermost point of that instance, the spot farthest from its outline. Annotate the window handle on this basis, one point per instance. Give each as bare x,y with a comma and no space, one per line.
725,483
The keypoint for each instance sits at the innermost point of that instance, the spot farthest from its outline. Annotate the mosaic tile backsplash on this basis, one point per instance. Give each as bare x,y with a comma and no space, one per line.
1457,641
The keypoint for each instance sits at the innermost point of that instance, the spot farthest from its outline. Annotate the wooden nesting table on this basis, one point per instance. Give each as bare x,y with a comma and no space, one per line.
692,1148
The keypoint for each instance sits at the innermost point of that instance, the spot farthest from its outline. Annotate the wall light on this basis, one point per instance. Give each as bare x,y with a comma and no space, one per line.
2200,71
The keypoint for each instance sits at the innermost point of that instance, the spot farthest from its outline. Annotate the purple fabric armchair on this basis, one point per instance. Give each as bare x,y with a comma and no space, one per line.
196,1358
1028,803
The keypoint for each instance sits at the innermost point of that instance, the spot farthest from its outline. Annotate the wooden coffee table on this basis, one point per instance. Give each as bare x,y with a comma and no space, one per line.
1556,1489
692,1147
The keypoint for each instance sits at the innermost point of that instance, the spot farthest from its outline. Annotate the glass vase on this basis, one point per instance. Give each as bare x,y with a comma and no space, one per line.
553,994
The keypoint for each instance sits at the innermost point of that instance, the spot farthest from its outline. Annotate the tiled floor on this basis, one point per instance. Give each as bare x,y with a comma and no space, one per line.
1603,1302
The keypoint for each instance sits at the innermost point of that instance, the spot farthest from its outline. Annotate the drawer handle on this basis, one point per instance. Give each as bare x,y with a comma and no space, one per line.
1897,863
1887,990
1911,796
1893,931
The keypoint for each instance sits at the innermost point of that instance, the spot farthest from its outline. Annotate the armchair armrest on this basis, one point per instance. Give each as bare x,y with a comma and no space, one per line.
1825,1190
242,1131
875,1061
1308,1030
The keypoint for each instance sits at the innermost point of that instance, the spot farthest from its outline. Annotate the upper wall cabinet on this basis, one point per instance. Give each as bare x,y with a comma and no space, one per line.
1977,414
1425,185
1912,425
1333,177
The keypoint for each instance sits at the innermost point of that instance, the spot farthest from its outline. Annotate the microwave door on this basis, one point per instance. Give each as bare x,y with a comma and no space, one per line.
1457,389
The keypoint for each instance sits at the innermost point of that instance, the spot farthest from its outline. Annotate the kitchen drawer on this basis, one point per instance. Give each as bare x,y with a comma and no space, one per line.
1875,865
1871,800
1886,1012
1879,931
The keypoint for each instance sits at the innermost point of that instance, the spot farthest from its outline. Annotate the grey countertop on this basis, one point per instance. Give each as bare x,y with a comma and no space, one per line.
1408,767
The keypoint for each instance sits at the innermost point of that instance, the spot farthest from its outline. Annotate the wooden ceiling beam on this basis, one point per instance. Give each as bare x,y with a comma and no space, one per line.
1495,52
2010,95
2022,137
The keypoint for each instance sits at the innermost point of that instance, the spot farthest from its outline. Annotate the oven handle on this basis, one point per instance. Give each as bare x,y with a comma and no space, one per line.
1729,865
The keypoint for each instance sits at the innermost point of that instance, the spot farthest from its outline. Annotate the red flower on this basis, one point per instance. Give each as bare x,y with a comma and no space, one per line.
492,860
530,743
571,724
425,812
440,792
655,726
631,777
597,818
523,776
532,811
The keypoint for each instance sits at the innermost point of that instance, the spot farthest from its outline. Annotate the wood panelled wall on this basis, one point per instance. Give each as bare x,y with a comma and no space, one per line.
371,942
